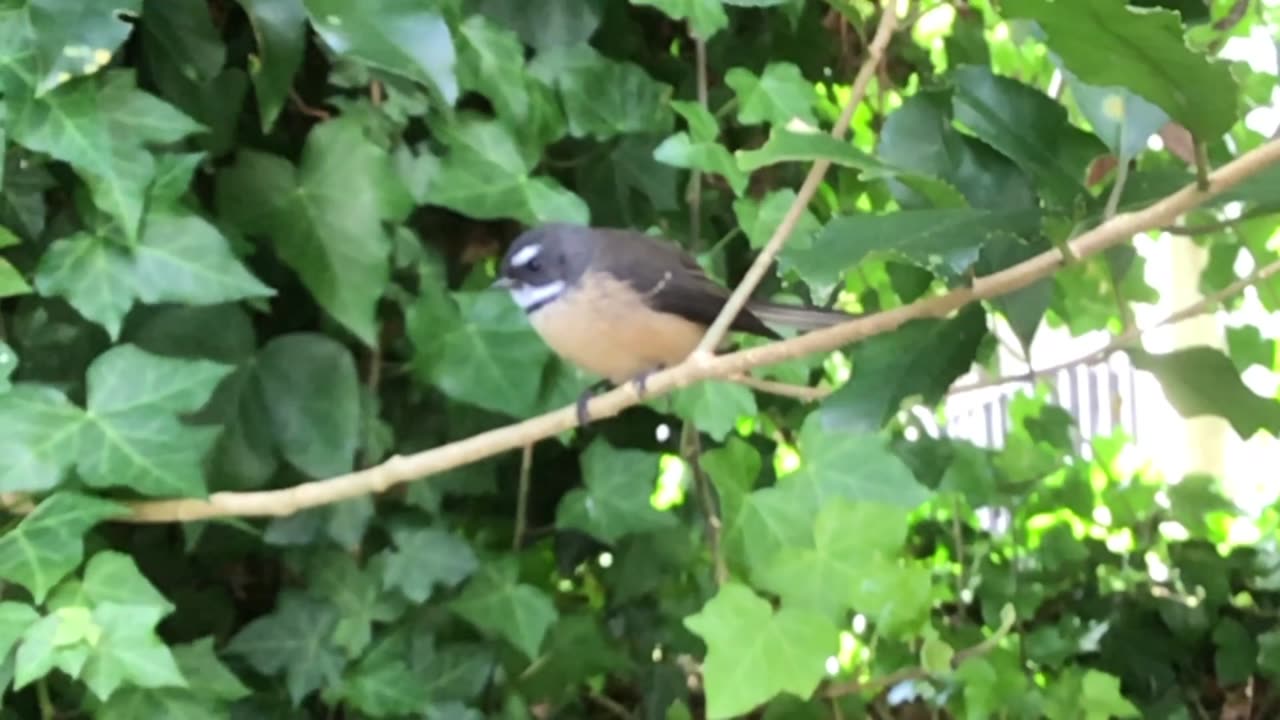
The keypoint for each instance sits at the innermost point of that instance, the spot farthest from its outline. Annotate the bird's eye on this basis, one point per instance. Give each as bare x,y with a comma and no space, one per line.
534,265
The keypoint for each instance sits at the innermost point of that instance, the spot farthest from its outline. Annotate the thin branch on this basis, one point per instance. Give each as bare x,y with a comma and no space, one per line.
1203,168
803,393
875,685
522,497
405,468
691,449
1204,305
717,330
1213,227
614,707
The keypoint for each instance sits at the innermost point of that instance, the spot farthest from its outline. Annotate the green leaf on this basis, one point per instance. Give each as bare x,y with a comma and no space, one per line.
777,96
1026,126
549,23
1268,647
753,653
75,39
770,519
132,436
1235,653
490,61
355,592
733,470
280,28
15,618
293,640
703,126
896,597
205,673
48,543
1120,118
615,501
760,219
847,541
946,242
400,36
679,151
706,17
383,685
324,218
714,406
854,466
1202,381
936,656
312,400
486,175
129,651
1106,43
425,558
180,36
39,437
785,146
8,363
483,353
497,604
920,359
1100,694
181,258
603,98
96,277
458,671
11,281
113,577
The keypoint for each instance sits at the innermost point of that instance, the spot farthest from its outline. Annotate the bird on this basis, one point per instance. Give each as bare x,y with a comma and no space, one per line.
621,304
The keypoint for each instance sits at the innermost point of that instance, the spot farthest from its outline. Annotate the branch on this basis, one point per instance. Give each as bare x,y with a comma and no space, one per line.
404,468
717,330
1206,304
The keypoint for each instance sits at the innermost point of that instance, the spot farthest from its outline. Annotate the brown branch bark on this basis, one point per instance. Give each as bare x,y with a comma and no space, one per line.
401,469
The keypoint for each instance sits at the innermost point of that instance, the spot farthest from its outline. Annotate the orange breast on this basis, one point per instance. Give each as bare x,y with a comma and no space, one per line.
605,328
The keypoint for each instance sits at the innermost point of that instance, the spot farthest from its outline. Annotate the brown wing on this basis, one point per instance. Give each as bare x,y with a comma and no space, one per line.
671,280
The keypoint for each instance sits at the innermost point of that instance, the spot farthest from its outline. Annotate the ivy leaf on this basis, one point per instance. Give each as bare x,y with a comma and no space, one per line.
355,593
733,469
603,97
759,219
615,501
8,363
93,275
293,640
1028,127
777,96
680,151
280,27
75,39
205,673
181,258
946,242
11,281
39,437
132,436
896,597
130,702
754,653
179,38
15,618
1202,381
129,651
311,396
425,558
848,539
769,520
706,17
399,36
496,603
714,406
921,358
383,685
458,671
484,352
48,543
854,466
549,24
486,175
113,577
1111,44
490,59
324,218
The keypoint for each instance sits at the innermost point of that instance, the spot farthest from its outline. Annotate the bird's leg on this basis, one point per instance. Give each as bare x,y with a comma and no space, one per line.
584,398
640,379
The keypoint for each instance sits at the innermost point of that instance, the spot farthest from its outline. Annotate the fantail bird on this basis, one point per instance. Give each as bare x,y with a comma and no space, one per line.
621,304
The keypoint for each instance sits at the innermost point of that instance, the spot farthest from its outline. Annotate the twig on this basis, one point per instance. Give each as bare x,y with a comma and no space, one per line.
796,392
691,449
522,496
1122,341
694,195
1212,227
305,109
875,685
614,707
404,468
1202,165
754,274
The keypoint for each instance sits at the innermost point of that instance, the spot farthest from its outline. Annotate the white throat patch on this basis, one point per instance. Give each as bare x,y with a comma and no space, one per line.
525,254
532,296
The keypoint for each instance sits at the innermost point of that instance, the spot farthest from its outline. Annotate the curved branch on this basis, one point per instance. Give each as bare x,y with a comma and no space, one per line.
401,468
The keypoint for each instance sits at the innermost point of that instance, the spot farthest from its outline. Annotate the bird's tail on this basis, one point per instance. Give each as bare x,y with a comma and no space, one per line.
794,316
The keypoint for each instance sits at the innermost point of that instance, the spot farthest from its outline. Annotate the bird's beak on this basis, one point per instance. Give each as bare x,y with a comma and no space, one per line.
504,283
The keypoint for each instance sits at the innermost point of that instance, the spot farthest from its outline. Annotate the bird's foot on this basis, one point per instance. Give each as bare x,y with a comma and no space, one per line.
642,378
584,398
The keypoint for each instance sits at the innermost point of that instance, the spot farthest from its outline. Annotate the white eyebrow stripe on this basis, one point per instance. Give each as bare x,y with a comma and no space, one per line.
531,296
525,254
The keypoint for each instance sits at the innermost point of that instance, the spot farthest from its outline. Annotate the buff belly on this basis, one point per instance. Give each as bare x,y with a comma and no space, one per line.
605,328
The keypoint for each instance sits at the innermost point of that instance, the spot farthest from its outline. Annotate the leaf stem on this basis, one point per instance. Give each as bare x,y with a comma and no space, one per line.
691,449
522,497
47,709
